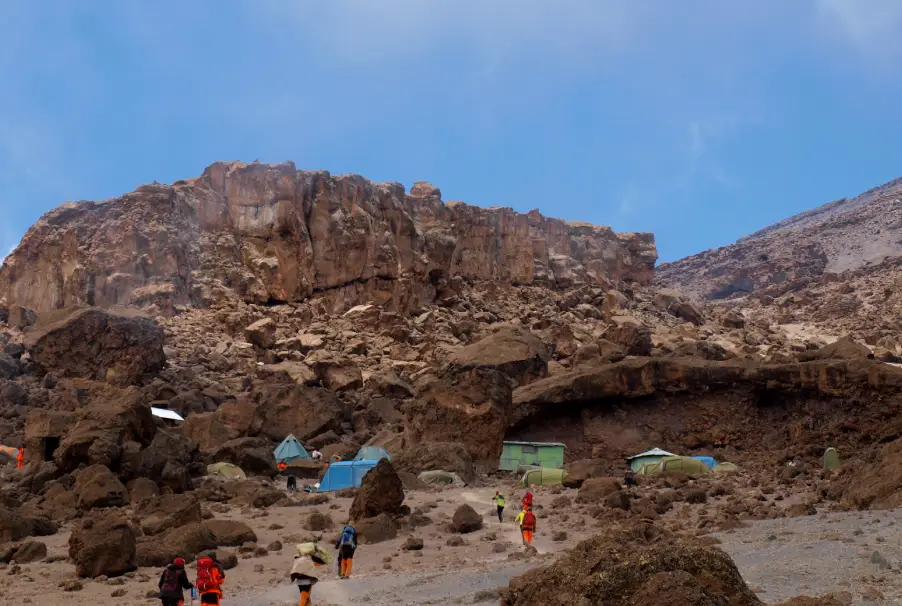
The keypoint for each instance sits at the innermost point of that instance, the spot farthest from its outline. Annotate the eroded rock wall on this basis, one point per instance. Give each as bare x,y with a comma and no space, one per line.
272,233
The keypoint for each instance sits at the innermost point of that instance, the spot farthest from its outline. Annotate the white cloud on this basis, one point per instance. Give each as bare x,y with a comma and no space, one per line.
870,26
364,32
629,200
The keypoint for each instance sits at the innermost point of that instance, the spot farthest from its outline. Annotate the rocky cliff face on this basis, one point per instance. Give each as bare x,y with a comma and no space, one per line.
845,235
274,234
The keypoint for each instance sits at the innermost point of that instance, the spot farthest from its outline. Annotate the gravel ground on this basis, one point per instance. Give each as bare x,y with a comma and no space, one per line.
475,586
858,554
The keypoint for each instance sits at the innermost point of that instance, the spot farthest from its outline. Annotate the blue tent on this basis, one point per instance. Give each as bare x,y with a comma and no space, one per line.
372,453
345,474
290,450
709,462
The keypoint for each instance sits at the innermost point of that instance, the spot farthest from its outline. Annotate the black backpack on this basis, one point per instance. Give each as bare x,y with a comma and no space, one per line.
171,579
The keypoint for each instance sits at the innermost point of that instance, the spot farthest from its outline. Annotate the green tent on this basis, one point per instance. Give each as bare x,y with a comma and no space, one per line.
441,477
226,470
831,459
650,456
725,468
543,476
647,469
684,464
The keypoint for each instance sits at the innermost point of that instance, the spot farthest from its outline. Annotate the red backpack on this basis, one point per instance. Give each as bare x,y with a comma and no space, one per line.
208,577
529,521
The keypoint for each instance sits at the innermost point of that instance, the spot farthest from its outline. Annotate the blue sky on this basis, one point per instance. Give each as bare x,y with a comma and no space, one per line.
699,120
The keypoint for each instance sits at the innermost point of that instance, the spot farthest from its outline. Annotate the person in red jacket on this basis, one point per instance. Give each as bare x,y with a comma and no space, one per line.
20,459
210,578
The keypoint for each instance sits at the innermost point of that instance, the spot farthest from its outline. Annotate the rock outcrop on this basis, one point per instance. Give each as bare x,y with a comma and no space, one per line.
120,347
640,565
103,544
510,350
471,408
380,492
273,233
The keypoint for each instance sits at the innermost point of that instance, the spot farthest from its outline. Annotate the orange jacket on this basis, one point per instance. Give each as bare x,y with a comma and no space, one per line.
217,576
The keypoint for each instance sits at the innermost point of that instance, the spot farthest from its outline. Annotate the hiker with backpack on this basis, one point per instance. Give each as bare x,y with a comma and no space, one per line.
346,546
173,582
499,504
210,578
527,521
304,573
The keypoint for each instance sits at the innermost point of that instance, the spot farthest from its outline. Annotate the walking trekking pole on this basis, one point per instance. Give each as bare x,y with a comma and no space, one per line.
193,595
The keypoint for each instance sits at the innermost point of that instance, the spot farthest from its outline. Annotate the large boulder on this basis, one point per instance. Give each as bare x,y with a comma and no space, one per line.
162,513
845,348
97,486
231,533
253,455
594,490
580,471
119,347
511,350
630,334
17,525
466,520
471,408
142,489
629,567
183,542
388,383
338,375
24,552
671,301
103,545
436,456
377,529
262,333
21,317
876,485
283,408
98,431
232,420
169,461
380,492
9,367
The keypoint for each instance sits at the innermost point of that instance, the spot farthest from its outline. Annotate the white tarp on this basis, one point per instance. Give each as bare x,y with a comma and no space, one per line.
166,414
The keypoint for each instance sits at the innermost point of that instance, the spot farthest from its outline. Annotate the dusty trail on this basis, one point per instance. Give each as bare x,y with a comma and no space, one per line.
512,531
401,589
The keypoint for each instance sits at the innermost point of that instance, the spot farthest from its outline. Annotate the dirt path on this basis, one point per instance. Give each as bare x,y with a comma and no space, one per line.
511,531
401,589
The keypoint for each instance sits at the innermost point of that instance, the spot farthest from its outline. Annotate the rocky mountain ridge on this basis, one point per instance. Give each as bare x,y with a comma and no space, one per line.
349,313
274,234
845,235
